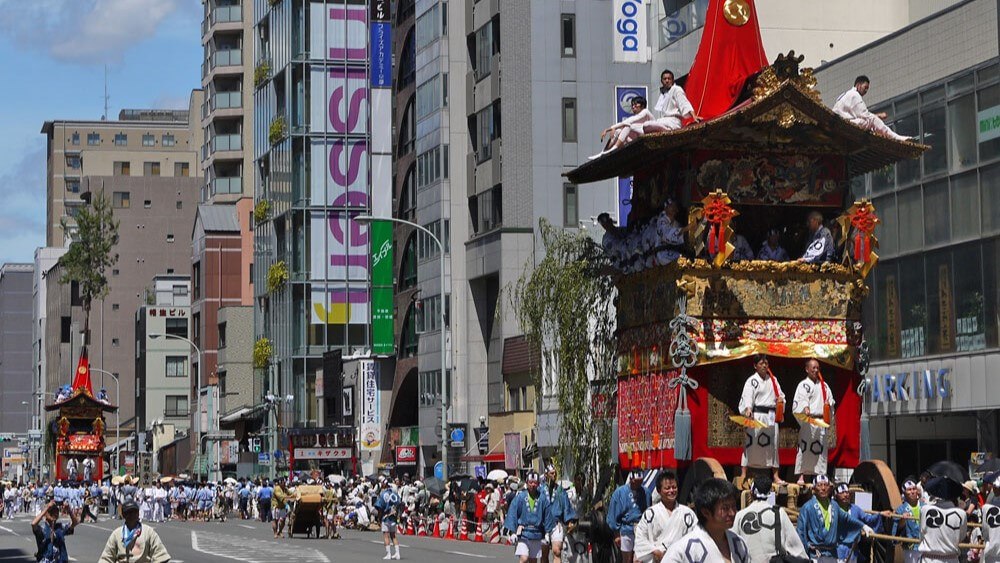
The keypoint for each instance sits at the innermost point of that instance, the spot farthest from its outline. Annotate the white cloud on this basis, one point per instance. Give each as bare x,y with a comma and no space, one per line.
85,31
22,217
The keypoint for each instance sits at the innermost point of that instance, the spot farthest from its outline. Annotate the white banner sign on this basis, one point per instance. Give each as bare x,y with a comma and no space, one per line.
371,420
343,106
629,31
339,32
322,453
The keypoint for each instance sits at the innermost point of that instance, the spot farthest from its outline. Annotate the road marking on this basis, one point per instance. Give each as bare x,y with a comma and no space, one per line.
463,554
8,530
250,550
247,527
383,543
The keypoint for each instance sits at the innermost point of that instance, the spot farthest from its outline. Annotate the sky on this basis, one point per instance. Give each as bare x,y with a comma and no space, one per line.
55,53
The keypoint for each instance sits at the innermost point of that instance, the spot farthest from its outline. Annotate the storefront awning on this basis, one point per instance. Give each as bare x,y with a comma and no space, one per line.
244,412
119,444
488,458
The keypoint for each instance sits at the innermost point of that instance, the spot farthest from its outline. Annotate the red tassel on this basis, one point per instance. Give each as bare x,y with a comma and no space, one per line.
711,240
868,248
722,238
857,247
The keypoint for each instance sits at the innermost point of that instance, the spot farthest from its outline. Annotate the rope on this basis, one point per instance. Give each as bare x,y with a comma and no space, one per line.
878,536
680,382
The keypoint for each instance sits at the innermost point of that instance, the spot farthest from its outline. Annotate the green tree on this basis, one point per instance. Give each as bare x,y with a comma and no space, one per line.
91,252
564,306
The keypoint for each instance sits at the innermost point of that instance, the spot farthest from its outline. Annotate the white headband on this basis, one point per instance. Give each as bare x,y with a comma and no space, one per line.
822,479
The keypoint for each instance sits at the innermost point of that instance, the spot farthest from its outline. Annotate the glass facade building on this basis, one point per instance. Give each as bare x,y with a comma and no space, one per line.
935,290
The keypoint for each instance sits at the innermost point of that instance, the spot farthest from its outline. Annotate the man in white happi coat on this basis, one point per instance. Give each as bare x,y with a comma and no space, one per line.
663,523
715,503
756,525
159,503
851,107
942,524
72,468
671,107
146,506
762,395
88,468
991,533
814,399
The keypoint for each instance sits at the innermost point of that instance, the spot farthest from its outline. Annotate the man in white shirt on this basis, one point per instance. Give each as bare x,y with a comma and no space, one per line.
851,107
715,504
628,128
663,523
814,399
761,400
756,525
672,106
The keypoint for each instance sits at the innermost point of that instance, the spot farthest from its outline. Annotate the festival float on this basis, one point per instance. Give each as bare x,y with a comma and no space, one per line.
79,427
767,153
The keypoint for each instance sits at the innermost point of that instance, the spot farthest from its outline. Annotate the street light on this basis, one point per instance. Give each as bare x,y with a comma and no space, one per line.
444,395
118,420
197,451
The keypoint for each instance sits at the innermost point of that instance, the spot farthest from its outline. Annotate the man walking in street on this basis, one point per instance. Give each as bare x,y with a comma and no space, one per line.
628,502
387,504
562,514
134,542
529,520
50,534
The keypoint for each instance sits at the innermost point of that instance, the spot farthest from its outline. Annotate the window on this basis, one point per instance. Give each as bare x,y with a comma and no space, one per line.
196,328
74,162
182,169
962,135
429,167
176,366
408,277
148,140
444,89
484,47
65,330
429,387
180,204
93,139
176,405
911,224
168,140
115,306
429,317
569,120
517,399
170,237
568,34
429,97
75,138
115,272
426,247
147,203
120,200
121,139
222,335
487,130
428,27
115,342
936,159
73,185
122,168
196,280
988,98
150,168
571,212
937,225
177,327
486,210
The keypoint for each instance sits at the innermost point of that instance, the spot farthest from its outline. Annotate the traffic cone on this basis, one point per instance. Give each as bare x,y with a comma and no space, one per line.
437,528
463,535
451,529
422,528
409,525
494,533
479,532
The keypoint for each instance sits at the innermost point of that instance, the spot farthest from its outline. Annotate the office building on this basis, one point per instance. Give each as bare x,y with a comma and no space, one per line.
931,316
15,347
163,366
45,259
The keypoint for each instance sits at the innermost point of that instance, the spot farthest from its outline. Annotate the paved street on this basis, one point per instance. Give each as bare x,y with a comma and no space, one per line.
250,542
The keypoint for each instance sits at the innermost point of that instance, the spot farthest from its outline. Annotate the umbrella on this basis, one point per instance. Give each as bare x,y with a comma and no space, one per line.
335,479
989,466
434,485
166,479
466,483
117,480
496,475
230,480
949,469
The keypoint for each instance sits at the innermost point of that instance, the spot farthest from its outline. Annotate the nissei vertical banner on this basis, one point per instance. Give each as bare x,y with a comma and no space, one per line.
371,424
380,82
629,30
623,109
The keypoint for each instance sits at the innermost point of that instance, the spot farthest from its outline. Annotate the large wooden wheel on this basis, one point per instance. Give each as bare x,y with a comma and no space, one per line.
699,471
875,476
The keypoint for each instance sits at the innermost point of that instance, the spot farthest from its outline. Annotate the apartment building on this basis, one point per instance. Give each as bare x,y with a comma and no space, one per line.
15,347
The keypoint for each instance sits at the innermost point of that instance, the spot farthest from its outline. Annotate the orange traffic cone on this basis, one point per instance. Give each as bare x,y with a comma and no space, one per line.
479,532
451,529
437,528
422,528
494,533
463,535
409,525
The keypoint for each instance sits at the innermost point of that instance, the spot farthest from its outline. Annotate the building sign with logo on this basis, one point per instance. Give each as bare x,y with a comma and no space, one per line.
988,124
322,453
406,455
629,43
371,424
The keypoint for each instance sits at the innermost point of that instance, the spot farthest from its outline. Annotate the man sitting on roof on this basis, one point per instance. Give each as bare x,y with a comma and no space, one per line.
628,128
851,107
672,106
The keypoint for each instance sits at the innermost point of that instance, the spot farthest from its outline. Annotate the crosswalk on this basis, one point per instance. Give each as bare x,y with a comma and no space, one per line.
251,550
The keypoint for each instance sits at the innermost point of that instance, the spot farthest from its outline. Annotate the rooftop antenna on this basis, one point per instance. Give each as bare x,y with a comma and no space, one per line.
107,98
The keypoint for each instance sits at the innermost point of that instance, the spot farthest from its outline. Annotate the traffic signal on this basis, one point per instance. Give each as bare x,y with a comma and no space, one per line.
7,437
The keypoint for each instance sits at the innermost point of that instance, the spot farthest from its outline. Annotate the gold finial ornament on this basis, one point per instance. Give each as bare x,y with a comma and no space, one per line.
736,12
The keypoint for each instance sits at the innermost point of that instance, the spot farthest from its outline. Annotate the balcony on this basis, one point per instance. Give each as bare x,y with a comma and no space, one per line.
233,142
223,105
227,14
224,62
231,185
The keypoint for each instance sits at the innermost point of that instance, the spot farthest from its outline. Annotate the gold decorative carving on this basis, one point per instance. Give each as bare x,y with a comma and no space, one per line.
785,116
736,12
